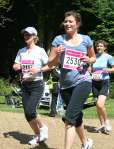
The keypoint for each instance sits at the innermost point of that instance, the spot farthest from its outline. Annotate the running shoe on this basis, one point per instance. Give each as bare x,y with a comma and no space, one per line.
34,141
88,144
108,126
43,133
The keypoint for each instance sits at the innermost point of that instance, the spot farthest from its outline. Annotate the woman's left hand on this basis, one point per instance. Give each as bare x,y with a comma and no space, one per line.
34,70
106,70
85,59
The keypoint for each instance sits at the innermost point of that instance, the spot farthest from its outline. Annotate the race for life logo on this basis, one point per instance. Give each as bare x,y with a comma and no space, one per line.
72,59
26,65
97,75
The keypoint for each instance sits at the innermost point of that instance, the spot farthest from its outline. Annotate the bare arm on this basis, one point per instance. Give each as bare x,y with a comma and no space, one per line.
53,58
90,58
91,54
109,70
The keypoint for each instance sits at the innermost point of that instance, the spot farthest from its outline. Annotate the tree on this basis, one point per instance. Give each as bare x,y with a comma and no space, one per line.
105,29
5,7
46,17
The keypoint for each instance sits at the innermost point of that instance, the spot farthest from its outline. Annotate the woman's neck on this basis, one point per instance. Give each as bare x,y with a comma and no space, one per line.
31,46
73,39
71,35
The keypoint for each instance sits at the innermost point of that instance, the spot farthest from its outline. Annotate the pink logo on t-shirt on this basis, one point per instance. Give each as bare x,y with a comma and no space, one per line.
27,62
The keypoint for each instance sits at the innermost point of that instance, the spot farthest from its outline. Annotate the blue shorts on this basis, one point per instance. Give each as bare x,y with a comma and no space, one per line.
100,88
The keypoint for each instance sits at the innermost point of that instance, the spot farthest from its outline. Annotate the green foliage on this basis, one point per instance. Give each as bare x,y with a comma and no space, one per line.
7,108
105,29
5,87
5,8
111,91
97,21
4,3
2,99
88,113
50,82
91,112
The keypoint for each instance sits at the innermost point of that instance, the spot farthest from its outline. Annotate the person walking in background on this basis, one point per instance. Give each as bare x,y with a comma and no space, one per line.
29,60
73,52
101,69
55,74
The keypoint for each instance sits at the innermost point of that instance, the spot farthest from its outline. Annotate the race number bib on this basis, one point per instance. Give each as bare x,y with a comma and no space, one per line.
72,59
97,75
26,65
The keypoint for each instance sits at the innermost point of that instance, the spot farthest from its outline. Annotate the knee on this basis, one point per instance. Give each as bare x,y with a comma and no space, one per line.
78,123
29,116
79,120
100,105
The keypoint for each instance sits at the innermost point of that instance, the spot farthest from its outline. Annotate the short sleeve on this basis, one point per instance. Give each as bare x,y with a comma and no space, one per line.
18,58
110,60
58,40
89,41
54,42
44,57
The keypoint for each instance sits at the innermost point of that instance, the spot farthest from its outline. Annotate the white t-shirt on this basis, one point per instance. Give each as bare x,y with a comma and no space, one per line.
35,58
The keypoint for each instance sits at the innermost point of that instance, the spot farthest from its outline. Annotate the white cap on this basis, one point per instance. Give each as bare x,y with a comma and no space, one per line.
30,30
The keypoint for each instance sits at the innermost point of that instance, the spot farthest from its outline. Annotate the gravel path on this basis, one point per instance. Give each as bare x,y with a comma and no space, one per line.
15,133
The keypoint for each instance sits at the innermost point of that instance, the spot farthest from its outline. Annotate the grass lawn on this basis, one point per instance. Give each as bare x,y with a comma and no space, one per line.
88,113
91,112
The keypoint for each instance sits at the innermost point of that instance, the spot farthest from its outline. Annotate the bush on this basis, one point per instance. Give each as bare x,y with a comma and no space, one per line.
5,87
111,90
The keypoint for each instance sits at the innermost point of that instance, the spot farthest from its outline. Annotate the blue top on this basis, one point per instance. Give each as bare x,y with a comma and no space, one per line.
103,60
70,77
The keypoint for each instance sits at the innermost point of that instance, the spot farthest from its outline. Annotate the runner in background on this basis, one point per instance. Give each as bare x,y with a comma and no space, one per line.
74,52
101,69
29,60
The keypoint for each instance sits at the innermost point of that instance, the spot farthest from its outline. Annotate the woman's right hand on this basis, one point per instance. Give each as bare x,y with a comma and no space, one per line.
16,67
60,49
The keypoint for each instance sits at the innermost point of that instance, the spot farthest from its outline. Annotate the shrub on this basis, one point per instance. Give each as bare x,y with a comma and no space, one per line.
5,88
111,93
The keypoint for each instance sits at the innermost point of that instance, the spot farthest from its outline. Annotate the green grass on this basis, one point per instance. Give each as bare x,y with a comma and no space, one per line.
7,108
91,112
88,113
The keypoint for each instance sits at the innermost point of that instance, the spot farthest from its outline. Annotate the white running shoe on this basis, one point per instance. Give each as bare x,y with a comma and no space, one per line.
108,127
34,141
88,144
43,133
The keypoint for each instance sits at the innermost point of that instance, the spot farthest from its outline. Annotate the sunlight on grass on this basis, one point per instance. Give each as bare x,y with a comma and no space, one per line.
88,113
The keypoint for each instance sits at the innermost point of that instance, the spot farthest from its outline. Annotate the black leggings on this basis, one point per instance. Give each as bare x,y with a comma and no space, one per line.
31,95
74,99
